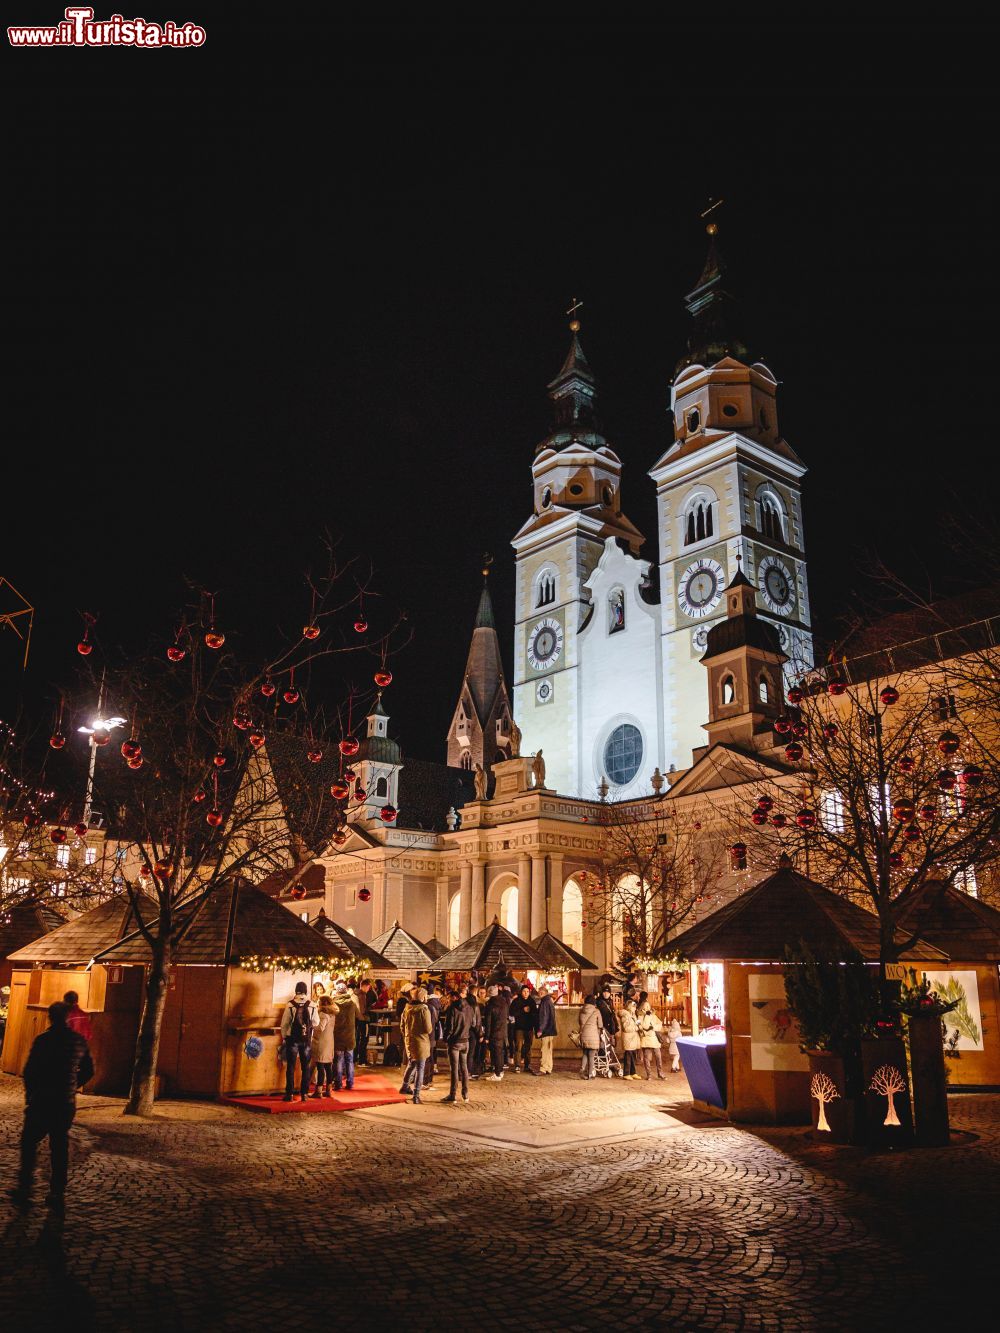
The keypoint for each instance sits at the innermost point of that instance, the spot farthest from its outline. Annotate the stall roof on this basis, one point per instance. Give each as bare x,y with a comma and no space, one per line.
965,928
348,945
493,945
403,949
557,953
80,940
780,910
25,922
237,921
435,948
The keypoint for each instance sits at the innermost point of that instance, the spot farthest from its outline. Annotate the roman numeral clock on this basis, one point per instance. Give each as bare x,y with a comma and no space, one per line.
545,644
700,588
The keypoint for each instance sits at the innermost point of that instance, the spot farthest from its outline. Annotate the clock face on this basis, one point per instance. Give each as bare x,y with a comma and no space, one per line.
700,588
776,584
545,644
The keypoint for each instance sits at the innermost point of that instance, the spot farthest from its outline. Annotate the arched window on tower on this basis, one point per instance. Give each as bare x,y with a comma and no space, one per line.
545,588
763,690
382,788
728,691
466,761
699,521
771,515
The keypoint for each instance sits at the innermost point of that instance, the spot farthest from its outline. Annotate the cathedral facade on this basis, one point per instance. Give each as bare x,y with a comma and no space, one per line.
608,675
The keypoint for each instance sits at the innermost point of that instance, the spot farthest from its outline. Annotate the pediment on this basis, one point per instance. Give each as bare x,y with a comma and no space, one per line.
726,766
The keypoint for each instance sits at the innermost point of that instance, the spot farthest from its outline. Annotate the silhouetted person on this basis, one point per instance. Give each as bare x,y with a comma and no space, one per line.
58,1065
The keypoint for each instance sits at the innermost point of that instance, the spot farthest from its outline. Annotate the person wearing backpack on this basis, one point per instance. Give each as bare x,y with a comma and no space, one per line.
297,1023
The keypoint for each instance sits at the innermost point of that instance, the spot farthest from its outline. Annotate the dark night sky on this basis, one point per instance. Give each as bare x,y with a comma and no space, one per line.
294,281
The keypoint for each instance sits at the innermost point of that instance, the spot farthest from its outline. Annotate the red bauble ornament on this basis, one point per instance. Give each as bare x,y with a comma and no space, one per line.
911,833
136,761
163,869
130,749
902,809
267,688
948,743
889,696
971,775
946,779
175,653
758,817
219,759
383,678
349,747
84,648
350,775
793,752
214,817
297,891
896,859
58,835
242,720
360,625
291,695
795,695
340,790
697,824
364,895
214,638
779,820
314,756
359,791
32,821
800,729
200,795
310,631
584,925
837,687
928,813
340,837
387,814
783,725
145,872
765,803
256,739
907,763
57,740
831,731
806,818
100,736
80,830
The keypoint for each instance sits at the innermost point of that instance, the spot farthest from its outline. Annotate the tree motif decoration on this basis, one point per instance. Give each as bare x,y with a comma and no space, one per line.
824,1090
887,1081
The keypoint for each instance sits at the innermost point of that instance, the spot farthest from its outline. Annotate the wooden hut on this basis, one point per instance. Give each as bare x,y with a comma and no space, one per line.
60,960
21,924
562,960
737,957
493,947
435,948
969,933
404,951
355,956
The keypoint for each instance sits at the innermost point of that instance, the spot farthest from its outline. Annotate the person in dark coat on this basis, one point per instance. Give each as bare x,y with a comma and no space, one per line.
608,1015
477,1042
524,1012
496,1021
457,1021
59,1064
546,1029
434,1005
366,1000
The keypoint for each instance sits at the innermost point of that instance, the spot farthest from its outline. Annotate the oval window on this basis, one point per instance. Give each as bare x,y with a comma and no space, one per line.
693,419
546,497
730,410
576,489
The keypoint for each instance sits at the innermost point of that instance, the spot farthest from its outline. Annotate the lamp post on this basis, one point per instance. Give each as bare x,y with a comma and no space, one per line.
99,727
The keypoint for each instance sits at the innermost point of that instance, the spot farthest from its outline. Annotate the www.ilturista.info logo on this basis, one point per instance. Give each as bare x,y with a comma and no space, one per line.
80,28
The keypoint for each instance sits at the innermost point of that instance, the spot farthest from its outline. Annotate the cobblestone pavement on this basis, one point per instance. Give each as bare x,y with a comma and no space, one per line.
210,1217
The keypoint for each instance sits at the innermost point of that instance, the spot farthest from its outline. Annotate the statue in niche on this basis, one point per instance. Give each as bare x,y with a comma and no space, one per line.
515,740
538,770
616,611
479,782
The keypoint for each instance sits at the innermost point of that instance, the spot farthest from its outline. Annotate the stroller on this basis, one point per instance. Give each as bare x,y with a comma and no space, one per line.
606,1062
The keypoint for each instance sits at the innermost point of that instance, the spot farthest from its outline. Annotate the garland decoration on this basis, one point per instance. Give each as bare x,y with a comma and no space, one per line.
663,962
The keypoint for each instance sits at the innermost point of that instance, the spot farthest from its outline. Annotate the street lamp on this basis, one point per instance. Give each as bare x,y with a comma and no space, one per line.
99,731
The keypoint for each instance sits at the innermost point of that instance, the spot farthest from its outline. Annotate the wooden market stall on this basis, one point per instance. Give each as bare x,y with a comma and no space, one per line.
61,960
356,958
737,954
21,924
435,948
969,933
564,967
407,954
491,949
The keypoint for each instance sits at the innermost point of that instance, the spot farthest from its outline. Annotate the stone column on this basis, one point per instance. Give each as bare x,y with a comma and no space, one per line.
537,919
553,903
378,901
524,896
465,911
478,919
441,908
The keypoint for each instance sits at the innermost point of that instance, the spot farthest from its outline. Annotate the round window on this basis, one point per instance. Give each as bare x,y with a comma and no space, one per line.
546,497
576,489
623,754
730,410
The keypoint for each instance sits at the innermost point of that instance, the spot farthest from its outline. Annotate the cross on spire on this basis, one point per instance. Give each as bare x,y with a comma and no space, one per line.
712,227
575,305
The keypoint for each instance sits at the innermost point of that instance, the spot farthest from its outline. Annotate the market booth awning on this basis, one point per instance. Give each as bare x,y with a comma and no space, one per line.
492,946
759,1073
402,949
349,947
557,955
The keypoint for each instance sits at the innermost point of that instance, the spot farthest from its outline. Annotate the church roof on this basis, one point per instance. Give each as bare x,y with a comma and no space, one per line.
746,631
427,790
349,946
782,909
402,949
715,313
493,945
484,614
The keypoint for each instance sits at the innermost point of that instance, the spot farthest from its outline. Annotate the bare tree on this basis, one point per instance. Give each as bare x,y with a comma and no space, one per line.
887,1081
823,1088
660,870
194,797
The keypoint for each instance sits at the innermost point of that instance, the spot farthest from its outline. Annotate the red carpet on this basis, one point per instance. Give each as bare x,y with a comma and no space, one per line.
369,1090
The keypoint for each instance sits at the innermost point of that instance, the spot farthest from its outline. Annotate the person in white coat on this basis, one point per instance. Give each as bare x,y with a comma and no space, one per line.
673,1050
322,1046
649,1040
630,1038
591,1027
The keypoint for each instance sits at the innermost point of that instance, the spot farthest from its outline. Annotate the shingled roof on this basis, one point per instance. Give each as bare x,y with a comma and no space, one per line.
783,909
966,929
25,922
427,791
80,940
557,953
491,946
435,948
348,945
237,921
402,948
